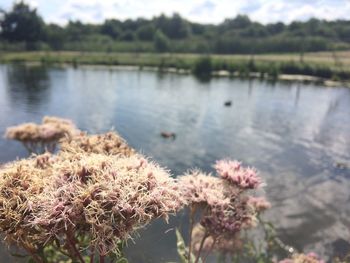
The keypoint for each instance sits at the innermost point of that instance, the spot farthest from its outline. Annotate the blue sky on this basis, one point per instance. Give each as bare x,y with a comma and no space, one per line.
204,11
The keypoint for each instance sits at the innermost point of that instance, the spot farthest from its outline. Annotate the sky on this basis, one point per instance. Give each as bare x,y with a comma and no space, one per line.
203,11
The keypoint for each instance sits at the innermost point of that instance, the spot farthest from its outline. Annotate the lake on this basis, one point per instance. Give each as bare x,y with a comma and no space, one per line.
296,135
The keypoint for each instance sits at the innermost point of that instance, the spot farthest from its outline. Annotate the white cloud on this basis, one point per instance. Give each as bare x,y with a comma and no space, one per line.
205,11
287,11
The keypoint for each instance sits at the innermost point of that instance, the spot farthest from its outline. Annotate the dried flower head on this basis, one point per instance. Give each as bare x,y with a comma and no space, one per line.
106,197
50,199
23,132
40,137
221,203
20,184
203,189
229,220
109,143
57,120
60,128
232,171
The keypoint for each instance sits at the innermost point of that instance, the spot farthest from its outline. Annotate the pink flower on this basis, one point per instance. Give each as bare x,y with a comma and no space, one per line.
48,132
38,138
233,172
203,189
259,203
109,143
224,207
106,196
228,220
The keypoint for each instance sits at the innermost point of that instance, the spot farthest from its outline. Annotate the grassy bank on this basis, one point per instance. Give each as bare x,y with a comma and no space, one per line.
323,65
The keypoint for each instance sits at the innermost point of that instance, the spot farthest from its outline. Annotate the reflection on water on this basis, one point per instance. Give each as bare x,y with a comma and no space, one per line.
294,134
30,89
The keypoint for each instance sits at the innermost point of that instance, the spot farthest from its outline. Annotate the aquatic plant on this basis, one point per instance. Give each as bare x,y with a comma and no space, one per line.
203,67
38,138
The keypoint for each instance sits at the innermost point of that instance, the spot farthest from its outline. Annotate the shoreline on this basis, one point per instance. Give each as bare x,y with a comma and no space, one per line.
161,63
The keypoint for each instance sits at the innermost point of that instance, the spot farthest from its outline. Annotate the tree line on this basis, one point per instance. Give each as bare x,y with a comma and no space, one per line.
22,28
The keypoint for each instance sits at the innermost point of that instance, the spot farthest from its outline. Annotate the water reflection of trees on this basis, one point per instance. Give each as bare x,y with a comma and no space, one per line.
27,85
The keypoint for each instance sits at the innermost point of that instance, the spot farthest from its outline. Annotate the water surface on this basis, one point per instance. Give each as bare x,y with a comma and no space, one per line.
295,134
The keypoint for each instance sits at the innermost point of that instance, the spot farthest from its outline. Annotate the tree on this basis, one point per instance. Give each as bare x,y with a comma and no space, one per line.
22,24
275,28
112,28
55,36
145,32
239,22
128,35
77,31
161,42
174,27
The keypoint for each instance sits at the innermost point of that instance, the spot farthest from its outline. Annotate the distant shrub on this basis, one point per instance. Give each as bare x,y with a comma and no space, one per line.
161,42
203,67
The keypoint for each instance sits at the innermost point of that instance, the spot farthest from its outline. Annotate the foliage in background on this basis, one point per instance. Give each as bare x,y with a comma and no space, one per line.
203,67
322,66
22,24
161,42
237,35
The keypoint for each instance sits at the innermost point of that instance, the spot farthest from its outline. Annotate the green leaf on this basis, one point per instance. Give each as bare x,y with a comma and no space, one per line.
182,249
122,260
18,255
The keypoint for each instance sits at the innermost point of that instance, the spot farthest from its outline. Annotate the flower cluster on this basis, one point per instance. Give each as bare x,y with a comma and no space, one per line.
41,137
50,198
202,189
222,203
95,188
230,220
303,258
98,189
109,143
233,172
106,197
21,182
23,132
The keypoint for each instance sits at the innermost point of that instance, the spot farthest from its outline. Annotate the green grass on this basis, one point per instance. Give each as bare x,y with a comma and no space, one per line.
327,65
